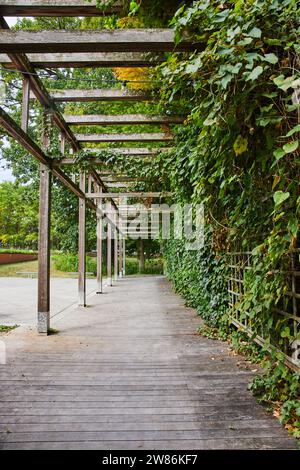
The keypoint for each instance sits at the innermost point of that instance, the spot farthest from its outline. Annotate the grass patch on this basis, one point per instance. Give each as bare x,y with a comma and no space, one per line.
6,328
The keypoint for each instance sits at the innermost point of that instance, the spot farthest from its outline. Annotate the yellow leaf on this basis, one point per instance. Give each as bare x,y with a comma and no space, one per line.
240,145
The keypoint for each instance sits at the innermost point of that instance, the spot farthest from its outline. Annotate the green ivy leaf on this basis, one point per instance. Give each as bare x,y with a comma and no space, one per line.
279,153
256,72
285,333
271,58
279,197
225,80
293,131
254,33
291,146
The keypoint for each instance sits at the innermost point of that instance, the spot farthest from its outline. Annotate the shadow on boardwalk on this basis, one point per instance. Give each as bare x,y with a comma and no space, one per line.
129,373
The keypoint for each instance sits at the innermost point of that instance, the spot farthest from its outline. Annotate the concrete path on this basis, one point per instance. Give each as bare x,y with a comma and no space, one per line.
18,298
129,372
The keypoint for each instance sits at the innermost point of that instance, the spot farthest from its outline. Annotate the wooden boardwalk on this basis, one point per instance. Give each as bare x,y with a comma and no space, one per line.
129,372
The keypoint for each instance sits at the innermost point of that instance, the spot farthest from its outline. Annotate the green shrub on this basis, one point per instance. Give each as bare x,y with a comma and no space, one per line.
18,251
68,262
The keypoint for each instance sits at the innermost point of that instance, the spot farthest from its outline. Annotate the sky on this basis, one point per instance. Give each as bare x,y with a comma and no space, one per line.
5,173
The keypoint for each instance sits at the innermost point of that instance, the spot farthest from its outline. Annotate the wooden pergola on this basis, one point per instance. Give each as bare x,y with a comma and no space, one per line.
27,51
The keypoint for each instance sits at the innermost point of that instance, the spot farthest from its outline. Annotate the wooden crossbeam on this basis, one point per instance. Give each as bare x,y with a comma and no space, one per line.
92,59
114,137
121,179
15,131
55,8
126,151
144,195
21,63
121,119
105,40
104,94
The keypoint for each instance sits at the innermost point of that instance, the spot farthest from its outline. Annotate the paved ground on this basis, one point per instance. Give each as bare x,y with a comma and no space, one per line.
18,298
129,372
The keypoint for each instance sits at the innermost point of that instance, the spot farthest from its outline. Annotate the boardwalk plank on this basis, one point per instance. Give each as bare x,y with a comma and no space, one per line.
130,372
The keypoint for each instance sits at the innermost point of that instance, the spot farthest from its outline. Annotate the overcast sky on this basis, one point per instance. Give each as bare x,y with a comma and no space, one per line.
5,173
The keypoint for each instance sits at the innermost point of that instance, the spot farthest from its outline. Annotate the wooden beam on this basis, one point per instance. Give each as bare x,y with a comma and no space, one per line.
120,179
25,104
120,256
124,257
55,8
102,94
125,119
43,323
108,248
114,137
99,248
15,131
128,152
144,195
100,183
81,245
116,267
105,40
92,59
22,64
117,185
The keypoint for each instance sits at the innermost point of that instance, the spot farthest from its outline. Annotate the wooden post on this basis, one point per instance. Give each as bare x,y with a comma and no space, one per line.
81,246
99,249
44,251
25,104
115,249
141,255
108,249
62,143
120,255
124,256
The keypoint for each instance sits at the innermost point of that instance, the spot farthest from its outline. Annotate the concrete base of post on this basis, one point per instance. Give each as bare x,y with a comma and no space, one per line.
43,323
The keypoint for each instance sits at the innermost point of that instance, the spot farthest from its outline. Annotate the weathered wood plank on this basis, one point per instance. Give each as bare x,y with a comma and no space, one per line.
92,59
15,131
43,320
109,248
104,94
192,444
123,151
22,64
25,104
55,8
106,40
126,378
125,119
82,244
144,195
135,137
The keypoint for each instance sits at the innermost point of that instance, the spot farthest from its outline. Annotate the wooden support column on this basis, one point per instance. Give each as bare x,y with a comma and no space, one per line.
120,255
44,251
99,249
108,248
81,246
116,264
62,143
25,104
124,257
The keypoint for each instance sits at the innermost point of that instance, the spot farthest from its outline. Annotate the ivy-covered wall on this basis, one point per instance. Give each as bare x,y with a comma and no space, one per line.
200,277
